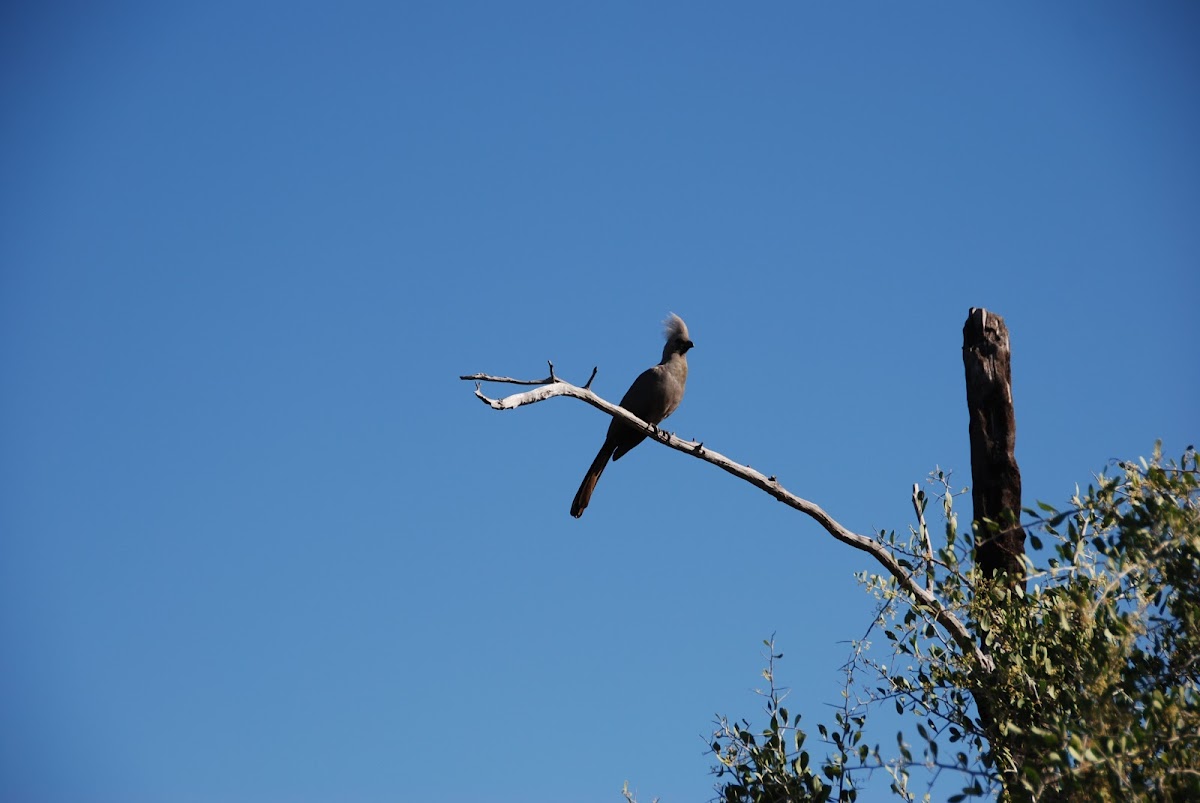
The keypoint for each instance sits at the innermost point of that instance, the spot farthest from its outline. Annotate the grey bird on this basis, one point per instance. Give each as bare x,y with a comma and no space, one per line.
652,397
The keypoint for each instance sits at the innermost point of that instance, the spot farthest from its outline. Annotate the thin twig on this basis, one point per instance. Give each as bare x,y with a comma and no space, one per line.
918,500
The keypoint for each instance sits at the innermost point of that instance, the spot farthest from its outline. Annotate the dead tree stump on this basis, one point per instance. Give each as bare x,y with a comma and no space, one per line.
995,477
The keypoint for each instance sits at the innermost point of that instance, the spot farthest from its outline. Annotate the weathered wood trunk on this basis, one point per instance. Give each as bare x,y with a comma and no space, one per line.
996,496
995,477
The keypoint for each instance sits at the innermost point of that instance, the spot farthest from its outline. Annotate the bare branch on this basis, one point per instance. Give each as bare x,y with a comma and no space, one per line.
922,597
509,380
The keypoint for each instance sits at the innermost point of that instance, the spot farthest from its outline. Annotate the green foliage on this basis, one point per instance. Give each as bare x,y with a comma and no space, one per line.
774,766
1094,692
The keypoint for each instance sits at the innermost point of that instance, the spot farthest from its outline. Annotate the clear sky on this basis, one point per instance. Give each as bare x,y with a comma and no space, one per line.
258,543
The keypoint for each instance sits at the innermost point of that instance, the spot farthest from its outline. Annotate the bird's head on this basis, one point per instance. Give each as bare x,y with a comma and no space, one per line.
676,333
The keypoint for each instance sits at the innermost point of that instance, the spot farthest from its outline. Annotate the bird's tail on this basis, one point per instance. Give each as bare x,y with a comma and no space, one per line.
584,494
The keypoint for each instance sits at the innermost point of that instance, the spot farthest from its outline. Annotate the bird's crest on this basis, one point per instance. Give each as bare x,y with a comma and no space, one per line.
674,328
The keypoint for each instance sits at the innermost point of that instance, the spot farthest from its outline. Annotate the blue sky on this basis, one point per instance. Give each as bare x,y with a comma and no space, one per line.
259,543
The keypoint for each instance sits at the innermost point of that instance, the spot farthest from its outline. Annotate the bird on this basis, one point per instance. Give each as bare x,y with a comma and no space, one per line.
653,396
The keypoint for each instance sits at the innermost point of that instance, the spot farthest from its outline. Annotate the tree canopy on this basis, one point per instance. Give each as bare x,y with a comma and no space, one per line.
1093,692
